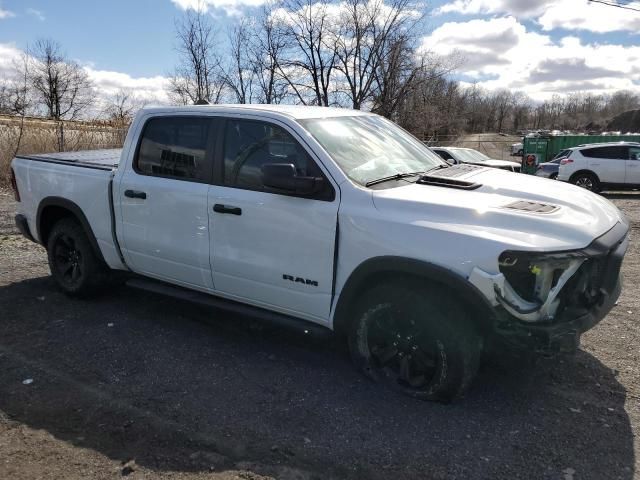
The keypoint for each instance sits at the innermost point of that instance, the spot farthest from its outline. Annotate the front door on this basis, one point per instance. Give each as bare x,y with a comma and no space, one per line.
271,249
163,199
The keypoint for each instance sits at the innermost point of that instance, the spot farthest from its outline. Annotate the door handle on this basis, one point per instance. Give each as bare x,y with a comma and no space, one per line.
135,194
219,208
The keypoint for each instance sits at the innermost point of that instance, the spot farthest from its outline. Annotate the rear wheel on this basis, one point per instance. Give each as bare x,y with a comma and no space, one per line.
73,263
586,180
418,341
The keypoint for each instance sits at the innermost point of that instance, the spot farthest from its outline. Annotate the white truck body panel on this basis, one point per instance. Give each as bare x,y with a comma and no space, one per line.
86,187
175,236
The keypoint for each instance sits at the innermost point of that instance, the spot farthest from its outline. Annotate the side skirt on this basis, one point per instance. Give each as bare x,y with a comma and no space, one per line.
301,326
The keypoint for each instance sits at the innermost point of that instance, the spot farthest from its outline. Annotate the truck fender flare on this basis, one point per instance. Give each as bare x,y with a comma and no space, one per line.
76,212
385,267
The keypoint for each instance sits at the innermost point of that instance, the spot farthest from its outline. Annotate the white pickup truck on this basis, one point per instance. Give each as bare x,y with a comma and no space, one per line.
332,219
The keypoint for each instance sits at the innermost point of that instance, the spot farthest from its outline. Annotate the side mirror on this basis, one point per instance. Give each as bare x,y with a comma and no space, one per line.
282,177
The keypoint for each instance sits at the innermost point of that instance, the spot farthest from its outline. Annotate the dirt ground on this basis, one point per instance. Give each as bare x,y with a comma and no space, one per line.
138,385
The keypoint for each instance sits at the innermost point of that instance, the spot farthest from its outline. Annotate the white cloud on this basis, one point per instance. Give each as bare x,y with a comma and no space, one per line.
231,7
36,13
551,14
512,7
502,53
9,54
6,14
595,17
148,89
107,83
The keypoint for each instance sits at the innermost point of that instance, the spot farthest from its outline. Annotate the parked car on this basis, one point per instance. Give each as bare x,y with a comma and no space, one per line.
517,149
602,166
457,155
550,169
331,219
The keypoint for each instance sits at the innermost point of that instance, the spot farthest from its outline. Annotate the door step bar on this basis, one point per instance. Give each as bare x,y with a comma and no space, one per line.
278,319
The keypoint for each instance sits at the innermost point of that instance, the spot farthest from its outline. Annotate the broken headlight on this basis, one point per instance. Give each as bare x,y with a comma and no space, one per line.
534,280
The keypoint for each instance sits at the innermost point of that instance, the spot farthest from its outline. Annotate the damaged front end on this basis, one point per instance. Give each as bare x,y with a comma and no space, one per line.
547,299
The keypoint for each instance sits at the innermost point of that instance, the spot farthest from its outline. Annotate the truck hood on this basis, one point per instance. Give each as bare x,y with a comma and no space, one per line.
498,163
571,217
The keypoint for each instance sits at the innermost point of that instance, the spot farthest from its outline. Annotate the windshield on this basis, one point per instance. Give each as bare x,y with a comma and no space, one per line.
481,155
370,147
468,156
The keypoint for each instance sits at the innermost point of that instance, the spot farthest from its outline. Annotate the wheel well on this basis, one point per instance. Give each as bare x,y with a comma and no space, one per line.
53,209
412,272
582,172
49,216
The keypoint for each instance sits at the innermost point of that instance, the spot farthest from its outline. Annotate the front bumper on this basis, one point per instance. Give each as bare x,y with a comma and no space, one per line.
562,336
562,332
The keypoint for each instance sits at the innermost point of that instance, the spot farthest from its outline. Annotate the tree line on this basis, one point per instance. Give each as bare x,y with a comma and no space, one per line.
361,54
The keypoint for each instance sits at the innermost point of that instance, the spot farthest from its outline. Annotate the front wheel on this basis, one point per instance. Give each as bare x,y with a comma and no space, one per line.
418,341
73,263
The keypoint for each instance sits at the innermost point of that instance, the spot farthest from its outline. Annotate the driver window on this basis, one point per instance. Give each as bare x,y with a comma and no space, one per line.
249,144
634,153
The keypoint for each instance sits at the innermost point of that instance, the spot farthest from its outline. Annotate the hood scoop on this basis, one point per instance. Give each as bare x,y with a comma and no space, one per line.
531,207
447,177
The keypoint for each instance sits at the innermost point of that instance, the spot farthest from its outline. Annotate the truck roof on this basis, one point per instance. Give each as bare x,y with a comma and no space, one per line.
297,112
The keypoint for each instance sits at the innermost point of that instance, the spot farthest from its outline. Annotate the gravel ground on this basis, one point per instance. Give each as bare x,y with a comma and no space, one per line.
144,386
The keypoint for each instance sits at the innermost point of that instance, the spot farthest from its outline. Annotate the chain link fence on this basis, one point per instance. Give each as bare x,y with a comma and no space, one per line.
34,135
493,145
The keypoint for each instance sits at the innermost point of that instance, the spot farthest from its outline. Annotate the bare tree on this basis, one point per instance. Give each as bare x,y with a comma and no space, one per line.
121,107
310,56
240,74
504,105
396,74
59,84
197,77
368,31
266,53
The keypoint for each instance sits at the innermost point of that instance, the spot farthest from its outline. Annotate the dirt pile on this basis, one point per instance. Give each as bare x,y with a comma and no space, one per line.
628,121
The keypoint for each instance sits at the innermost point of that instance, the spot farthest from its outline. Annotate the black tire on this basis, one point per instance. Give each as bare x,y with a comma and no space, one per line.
416,339
586,180
553,176
520,152
72,261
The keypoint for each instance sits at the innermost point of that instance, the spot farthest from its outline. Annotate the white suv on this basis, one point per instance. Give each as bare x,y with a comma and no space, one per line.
602,166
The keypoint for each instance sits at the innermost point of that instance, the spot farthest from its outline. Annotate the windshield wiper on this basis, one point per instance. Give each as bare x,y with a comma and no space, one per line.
397,176
438,167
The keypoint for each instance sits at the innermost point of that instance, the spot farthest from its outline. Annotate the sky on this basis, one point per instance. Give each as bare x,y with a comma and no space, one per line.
539,47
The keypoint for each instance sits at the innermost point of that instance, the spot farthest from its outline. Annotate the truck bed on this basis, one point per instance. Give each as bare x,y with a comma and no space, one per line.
106,159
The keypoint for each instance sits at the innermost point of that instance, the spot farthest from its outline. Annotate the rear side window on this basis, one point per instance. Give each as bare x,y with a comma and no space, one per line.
175,147
606,152
248,145
562,154
444,154
634,153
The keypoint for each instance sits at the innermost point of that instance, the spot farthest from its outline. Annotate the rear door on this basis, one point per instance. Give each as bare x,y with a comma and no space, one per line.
633,166
609,163
271,249
163,196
